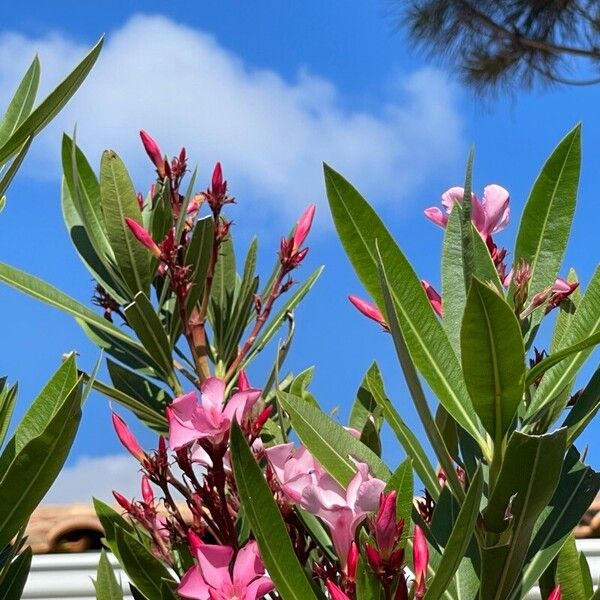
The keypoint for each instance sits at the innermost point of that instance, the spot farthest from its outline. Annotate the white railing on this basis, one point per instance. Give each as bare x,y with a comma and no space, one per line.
69,576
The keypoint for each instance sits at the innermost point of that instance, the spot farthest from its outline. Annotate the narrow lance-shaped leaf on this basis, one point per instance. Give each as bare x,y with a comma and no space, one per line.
267,524
51,105
119,201
19,108
546,221
106,584
493,358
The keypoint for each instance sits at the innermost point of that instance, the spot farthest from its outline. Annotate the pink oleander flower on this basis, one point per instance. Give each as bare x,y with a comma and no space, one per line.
555,594
562,286
209,418
212,579
143,237
335,593
420,562
489,215
304,481
434,298
369,310
127,438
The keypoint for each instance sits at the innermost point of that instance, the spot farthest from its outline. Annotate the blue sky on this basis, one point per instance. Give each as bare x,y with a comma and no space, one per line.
271,89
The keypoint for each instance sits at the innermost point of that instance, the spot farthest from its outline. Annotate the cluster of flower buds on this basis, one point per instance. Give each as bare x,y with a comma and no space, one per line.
551,297
175,170
216,195
291,253
520,278
105,301
386,555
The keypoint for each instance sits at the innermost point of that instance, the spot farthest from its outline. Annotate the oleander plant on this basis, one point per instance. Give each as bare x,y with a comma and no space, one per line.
252,490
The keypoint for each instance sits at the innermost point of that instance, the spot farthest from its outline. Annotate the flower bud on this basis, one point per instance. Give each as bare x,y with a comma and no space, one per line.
369,310
555,594
142,236
242,381
147,493
373,558
122,501
352,562
154,153
384,525
420,562
127,438
434,298
303,227
334,591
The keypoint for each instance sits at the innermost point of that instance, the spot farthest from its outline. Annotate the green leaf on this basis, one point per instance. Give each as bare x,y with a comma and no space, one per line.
8,399
10,173
19,108
568,572
459,540
267,524
416,391
41,458
118,200
577,487
329,442
402,482
51,105
493,359
523,494
585,408
586,323
142,567
361,230
40,290
546,221
145,322
41,410
15,576
466,230
560,355
110,520
106,584
100,268
368,586
405,435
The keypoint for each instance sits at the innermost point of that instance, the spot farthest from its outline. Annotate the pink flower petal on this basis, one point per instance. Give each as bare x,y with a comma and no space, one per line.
435,215
240,403
451,197
495,203
185,406
193,585
213,393
278,456
258,588
214,564
248,565
180,435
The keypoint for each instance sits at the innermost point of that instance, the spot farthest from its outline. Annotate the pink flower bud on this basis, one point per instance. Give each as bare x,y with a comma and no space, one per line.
420,561
385,526
334,591
147,493
142,236
373,558
153,151
434,298
194,541
122,501
369,310
127,438
303,226
352,562
555,594
217,179
242,381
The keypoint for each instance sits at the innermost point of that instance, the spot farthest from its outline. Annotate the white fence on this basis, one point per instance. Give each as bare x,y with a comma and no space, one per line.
69,576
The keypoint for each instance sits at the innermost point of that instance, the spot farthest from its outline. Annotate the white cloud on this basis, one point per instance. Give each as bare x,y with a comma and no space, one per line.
270,133
96,476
